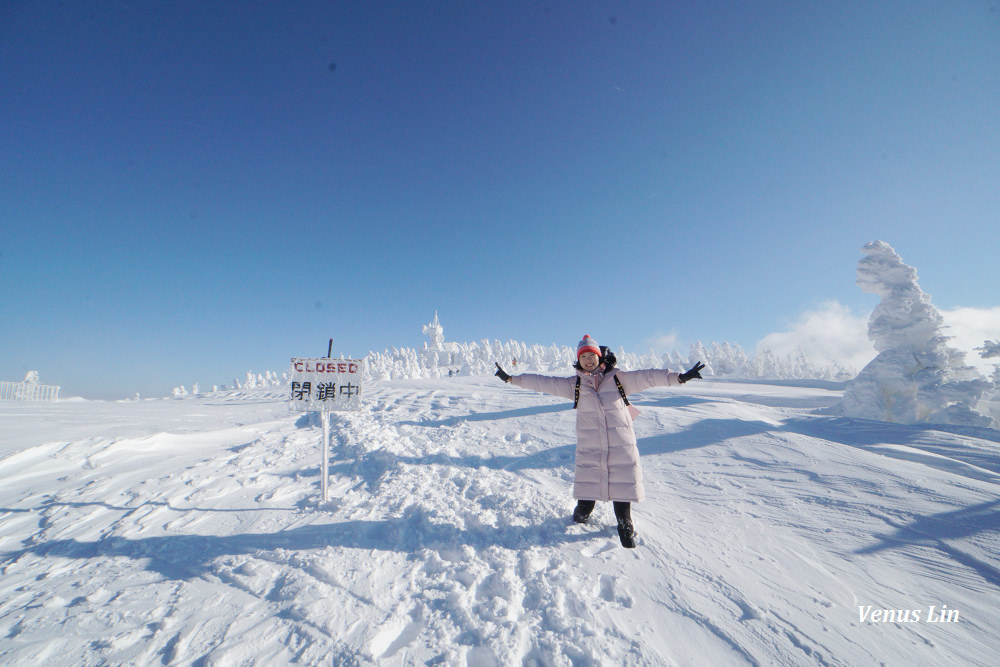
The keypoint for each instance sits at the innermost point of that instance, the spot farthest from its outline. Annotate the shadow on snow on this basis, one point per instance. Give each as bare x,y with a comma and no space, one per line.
189,556
703,433
932,531
981,463
491,416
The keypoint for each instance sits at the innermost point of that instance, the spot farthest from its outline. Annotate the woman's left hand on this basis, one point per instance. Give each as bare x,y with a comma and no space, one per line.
691,374
501,373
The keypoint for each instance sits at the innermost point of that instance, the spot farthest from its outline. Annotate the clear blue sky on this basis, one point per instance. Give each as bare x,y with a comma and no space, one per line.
189,190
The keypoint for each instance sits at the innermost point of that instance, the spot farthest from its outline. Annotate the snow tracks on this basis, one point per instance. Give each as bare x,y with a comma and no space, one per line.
191,533
446,539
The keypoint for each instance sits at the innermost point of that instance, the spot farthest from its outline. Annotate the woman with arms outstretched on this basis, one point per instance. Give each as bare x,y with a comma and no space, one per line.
607,457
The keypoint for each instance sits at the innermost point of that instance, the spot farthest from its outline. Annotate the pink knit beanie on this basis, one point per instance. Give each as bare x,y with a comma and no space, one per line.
588,344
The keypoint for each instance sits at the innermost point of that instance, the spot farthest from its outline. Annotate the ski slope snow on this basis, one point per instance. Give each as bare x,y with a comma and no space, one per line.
191,531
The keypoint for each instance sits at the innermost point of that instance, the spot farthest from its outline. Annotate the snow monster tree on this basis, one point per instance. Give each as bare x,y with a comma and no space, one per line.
916,376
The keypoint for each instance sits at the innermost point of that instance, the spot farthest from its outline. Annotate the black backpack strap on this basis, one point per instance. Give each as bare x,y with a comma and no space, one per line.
618,383
621,390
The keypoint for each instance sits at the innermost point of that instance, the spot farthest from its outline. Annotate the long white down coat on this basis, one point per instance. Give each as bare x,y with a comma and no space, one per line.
607,458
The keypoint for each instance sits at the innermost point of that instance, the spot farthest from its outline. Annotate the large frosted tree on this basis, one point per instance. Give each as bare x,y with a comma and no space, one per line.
917,376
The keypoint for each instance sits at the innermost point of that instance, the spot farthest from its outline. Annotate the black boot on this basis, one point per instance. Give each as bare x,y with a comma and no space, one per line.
583,510
626,533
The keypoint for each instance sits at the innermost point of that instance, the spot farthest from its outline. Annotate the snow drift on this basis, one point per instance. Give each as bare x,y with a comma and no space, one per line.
190,532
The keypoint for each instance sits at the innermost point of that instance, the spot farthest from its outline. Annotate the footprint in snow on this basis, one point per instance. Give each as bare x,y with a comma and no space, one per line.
598,548
608,590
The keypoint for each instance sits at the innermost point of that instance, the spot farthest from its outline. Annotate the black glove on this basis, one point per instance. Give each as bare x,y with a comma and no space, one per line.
501,373
691,374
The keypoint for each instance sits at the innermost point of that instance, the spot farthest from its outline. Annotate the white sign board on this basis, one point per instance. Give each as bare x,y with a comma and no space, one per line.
320,385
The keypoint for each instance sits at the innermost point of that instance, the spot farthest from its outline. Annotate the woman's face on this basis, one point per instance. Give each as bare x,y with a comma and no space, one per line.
589,361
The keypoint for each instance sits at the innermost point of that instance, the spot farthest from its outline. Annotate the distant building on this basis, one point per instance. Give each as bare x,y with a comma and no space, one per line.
436,349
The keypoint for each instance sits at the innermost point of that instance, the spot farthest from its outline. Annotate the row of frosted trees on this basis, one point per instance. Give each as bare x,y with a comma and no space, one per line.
477,358
721,359
726,360
251,382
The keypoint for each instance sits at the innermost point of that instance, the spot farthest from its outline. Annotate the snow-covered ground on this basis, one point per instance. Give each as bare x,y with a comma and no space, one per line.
190,531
